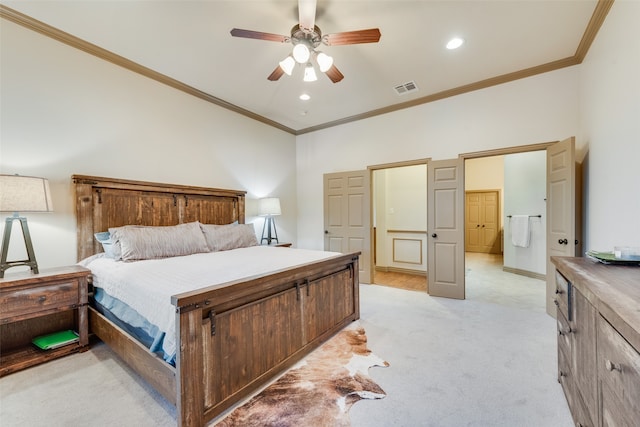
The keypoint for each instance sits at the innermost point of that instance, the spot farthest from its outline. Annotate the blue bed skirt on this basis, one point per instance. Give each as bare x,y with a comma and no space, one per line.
132,322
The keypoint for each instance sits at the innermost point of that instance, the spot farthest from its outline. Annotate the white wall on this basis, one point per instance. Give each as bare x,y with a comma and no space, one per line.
66,112
528,111
610,131
525,190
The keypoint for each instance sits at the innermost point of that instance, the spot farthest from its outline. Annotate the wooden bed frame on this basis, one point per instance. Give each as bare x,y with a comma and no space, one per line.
231,339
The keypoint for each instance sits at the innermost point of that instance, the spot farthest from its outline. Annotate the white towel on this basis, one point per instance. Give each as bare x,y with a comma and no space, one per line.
520,230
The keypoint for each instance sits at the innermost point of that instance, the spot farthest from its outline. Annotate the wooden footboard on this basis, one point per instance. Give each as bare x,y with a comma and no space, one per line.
235,338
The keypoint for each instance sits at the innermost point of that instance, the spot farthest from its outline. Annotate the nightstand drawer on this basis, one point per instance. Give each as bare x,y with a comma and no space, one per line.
36,300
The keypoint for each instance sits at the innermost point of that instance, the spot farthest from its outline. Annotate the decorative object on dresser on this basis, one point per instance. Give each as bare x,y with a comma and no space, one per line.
269,207
320,390
34,305
21,194
599,340
233,330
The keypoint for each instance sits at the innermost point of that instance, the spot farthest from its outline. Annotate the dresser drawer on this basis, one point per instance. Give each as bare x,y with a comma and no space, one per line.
579,411
619,374
23,302
562,299
564,335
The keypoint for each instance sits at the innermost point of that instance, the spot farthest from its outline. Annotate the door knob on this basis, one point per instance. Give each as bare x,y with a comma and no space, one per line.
326,231
482,225
478,225
434,235
563,241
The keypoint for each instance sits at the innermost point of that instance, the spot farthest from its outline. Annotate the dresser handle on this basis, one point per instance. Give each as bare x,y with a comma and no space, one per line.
561,332
42,298
612,366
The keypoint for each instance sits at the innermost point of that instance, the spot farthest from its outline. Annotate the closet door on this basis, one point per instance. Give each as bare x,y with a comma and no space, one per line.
482,223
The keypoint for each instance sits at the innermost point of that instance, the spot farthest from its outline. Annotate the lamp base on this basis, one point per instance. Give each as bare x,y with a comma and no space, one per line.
268,223
31,261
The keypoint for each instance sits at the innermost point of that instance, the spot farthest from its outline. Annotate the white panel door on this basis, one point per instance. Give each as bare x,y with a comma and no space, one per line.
347,200
561,209
445,228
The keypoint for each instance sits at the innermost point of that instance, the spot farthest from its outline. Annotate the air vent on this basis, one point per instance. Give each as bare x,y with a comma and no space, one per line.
406,88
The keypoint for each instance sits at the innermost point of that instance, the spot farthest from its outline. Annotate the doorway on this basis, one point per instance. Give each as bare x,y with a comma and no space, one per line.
519,181
399,231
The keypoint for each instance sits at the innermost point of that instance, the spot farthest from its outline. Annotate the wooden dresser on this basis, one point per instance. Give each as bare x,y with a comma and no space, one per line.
599,341
39,304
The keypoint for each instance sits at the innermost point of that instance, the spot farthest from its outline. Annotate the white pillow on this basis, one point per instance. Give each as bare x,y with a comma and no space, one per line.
142,242
230,236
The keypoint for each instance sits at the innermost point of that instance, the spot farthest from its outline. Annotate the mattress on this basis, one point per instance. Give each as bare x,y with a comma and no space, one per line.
138,293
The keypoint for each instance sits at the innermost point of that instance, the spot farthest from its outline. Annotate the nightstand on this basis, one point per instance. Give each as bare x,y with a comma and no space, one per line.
280,245
37,304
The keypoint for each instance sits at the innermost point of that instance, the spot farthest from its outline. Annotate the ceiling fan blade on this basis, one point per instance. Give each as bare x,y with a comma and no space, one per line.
307,14
371,35
276,74
334,74
248,34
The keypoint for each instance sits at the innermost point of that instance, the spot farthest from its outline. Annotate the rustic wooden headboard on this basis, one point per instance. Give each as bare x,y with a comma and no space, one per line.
107,202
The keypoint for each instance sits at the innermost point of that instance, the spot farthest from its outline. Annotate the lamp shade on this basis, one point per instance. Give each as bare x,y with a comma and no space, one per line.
287,65
309,74
269,206
24,194
301,53
324,61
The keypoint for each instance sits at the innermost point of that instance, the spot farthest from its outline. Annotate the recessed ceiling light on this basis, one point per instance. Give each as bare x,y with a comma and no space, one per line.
305,97
455,43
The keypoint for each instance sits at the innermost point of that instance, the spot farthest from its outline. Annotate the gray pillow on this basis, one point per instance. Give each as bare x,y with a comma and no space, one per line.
140,242
230,236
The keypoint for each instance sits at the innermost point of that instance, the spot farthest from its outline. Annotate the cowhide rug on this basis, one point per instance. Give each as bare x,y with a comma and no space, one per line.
318,391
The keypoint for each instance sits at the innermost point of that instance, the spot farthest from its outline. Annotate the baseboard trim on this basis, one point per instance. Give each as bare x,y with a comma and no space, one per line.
531,274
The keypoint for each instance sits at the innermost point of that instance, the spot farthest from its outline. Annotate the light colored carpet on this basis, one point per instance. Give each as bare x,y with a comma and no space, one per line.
489,360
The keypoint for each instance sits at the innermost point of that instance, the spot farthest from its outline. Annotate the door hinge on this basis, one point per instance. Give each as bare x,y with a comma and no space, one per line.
212,319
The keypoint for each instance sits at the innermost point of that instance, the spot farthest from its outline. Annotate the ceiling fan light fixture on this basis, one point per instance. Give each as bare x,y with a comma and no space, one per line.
310,74
305,97
287,65
324,61
301,53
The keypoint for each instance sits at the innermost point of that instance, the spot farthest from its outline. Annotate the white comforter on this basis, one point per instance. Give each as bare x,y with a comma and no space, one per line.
147,286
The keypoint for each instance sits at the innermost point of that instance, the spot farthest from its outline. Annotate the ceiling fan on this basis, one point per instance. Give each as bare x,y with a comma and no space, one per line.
306,37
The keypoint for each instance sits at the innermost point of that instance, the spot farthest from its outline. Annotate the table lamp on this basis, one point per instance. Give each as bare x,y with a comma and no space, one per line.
269,207
19,194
